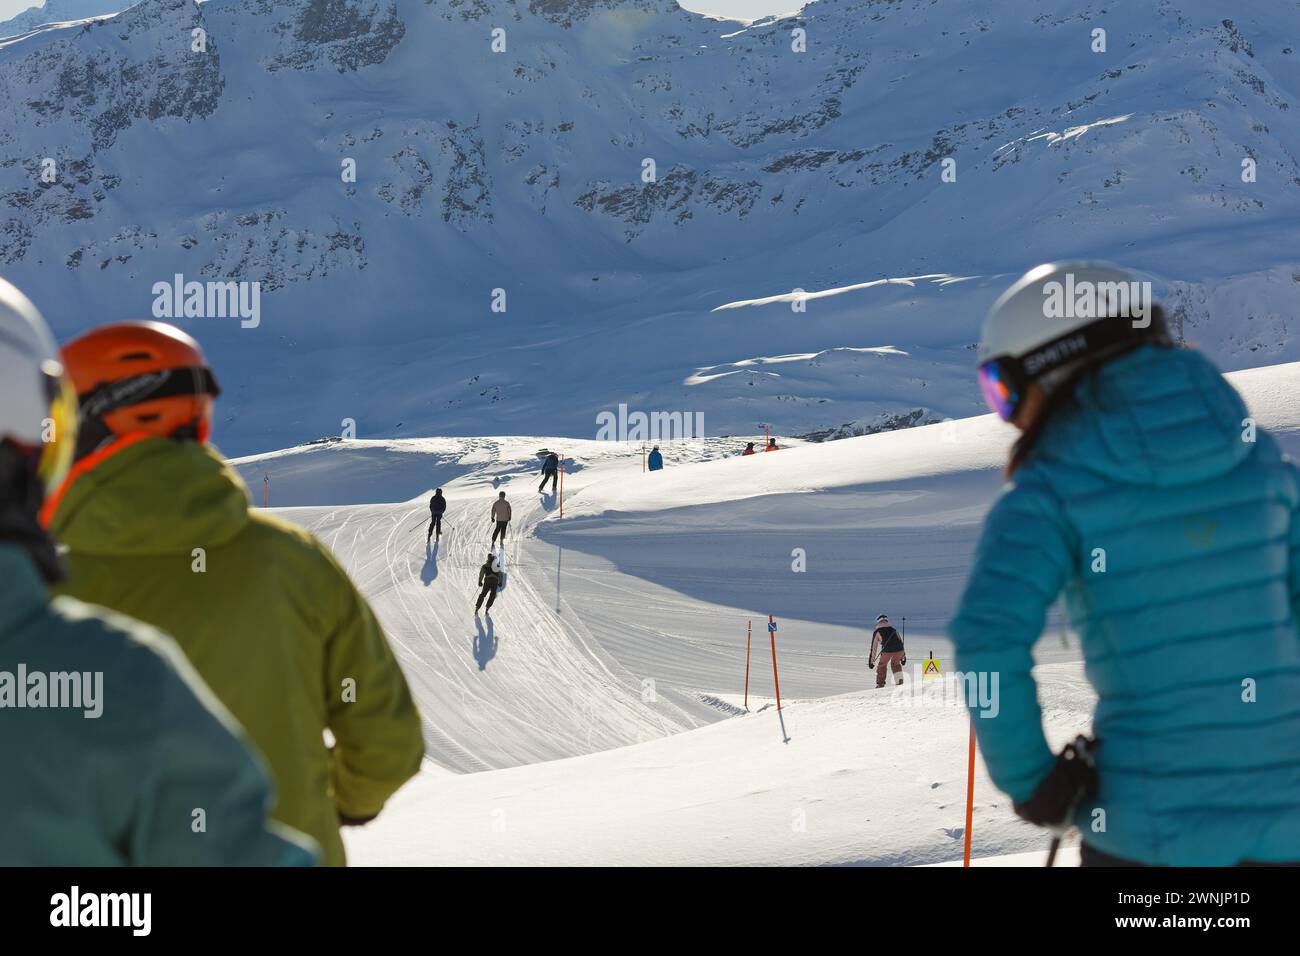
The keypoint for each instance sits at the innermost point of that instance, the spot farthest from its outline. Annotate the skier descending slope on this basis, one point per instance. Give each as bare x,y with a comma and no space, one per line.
500,517
159,743
437,508
1140,489
489,579
159,527
887,651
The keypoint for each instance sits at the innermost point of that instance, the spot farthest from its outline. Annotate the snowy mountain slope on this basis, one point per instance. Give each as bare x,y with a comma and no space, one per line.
58,11
652,578
522,171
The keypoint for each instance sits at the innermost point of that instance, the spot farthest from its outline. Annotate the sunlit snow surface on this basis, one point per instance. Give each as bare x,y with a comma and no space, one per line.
548,744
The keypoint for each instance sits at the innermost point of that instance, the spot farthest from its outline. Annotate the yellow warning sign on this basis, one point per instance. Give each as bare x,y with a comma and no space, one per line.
931,668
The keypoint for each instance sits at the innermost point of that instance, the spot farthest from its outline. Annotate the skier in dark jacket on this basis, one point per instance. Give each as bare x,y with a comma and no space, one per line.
656,460
550,471
489,579
887,651
437,507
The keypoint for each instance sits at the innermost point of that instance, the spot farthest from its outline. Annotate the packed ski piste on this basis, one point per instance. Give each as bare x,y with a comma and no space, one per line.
855,437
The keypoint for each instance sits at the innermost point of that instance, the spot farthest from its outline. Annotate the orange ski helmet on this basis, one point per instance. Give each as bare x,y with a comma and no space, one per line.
140,377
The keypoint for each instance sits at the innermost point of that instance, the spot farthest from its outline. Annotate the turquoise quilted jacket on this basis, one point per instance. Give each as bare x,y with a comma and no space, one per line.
1175,539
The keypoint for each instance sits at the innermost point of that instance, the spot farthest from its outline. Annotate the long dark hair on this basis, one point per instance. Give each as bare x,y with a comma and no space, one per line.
1062,395
21,494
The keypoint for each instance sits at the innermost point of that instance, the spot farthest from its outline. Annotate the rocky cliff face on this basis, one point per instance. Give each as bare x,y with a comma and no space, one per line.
383,167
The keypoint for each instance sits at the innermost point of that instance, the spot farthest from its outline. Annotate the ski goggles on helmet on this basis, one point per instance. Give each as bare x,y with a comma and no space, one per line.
148,387
1001,392
59,429
1004,380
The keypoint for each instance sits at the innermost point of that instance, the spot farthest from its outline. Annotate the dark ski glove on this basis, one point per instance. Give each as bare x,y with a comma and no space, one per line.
1072,780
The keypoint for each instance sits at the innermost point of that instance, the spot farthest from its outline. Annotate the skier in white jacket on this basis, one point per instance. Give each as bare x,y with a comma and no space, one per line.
500,517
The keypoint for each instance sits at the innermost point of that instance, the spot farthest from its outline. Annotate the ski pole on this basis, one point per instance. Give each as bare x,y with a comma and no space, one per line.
749,632
970,795
776,681
1051,851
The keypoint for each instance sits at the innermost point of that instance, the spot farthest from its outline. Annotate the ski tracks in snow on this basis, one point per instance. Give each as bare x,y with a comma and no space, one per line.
526,684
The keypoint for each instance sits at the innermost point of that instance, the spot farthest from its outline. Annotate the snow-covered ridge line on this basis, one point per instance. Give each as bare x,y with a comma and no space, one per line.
938,278
951,447
59,14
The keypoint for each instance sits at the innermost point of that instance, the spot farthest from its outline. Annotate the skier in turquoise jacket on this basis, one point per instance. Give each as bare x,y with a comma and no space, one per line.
1140,488
115,752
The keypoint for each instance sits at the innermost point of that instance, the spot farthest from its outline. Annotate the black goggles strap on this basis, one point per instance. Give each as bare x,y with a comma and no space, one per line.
1094,340
167,383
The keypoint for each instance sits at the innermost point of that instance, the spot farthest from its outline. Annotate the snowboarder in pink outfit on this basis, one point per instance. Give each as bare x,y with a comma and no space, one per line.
886,651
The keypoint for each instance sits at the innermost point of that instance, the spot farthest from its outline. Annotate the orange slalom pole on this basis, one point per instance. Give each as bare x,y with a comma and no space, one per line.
749,632
970,794
561,487
776,681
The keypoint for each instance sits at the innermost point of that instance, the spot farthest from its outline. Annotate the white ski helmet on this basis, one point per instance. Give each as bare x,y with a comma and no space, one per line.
1054,317
38,407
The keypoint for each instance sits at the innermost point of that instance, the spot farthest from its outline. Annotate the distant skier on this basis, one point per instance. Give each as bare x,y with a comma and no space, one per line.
489,578
500,517
886,651
772,445
550,471
749,450
437,506
656,460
